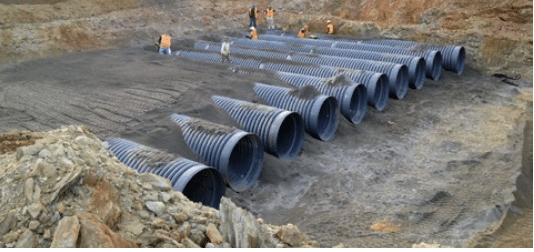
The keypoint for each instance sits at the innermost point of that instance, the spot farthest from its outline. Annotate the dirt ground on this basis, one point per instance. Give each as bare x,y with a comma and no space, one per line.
438,166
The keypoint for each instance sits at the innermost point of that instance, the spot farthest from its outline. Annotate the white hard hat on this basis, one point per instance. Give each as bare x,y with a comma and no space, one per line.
252,28
328,21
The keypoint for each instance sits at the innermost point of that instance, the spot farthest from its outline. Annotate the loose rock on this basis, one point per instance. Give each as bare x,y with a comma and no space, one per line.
213,234
66,234
156,207
28,239
33,225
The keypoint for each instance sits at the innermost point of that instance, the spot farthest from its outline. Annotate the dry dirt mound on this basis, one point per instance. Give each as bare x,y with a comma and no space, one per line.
64,189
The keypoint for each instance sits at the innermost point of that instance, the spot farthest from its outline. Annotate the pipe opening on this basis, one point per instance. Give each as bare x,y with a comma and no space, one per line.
437,66
327,120
381,93
205,187
401,86
420,72
244,163
357,104
460,59
289,137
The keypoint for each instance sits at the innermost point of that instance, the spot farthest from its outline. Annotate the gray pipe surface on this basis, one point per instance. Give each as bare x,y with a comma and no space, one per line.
236,154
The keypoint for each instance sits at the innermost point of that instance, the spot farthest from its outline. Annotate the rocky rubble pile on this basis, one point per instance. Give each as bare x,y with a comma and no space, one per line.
66,189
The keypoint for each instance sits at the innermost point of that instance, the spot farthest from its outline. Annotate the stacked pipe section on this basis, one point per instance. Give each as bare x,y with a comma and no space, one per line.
433,58
351,97
375,83
415,64
453,56
377,86
236,154
198,182
317,110
281,131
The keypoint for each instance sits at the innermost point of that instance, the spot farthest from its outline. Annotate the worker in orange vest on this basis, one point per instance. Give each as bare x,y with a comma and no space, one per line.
253,14
164,44
304,33
269,16
253,34
329,27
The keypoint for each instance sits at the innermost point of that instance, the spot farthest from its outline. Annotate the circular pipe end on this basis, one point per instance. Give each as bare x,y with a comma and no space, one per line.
381,90
438,66
353,105
241,160
399,79
458,55
417,73
323,118
286,136
201,184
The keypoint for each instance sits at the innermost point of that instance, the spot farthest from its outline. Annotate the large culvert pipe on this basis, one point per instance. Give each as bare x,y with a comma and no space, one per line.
453,56
317,110
352,97
198,182
433,58
236,154
281,131
233,50
375,83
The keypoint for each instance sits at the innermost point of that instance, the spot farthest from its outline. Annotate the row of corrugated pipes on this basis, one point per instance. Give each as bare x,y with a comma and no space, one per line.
328,74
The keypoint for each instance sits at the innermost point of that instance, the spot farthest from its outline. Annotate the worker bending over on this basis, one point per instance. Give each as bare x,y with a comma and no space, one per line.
164,44
269,16
253,34
304,33
329,27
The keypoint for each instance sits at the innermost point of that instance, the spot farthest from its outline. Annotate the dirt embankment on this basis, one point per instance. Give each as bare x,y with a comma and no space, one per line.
496,34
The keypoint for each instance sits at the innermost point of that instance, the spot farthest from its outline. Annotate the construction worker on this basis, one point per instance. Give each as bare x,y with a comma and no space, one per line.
164,44
304,33
329,27
225,50
253,14
253,34
269,16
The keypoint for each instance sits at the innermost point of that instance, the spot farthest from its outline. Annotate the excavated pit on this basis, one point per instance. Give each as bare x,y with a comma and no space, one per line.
439,166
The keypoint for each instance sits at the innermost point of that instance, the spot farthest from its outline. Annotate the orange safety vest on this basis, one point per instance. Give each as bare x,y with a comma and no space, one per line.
270,12
254,34
165,41
303,33
330,29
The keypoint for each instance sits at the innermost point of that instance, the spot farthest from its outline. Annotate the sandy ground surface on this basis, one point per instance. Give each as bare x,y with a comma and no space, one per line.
438,166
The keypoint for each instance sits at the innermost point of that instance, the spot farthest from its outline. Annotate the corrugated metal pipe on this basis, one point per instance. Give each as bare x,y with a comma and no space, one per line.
433,58
198,182
375,83
236,154
317,110
352,97
453,56
281,131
